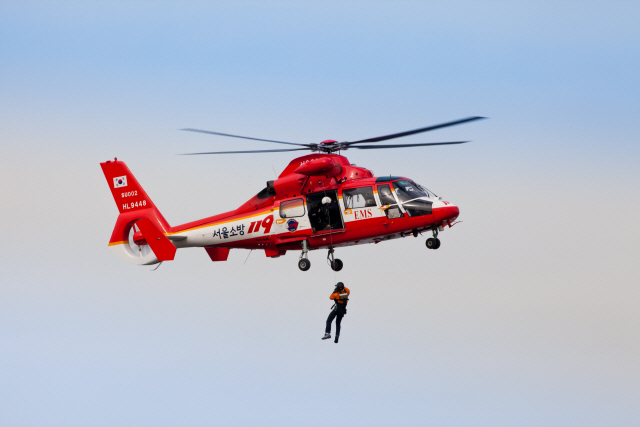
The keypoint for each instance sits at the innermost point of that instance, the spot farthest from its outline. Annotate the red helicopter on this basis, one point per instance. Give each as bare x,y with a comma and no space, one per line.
320,201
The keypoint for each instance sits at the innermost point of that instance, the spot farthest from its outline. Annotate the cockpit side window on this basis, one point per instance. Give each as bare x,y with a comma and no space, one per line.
386,198
355,198
389,204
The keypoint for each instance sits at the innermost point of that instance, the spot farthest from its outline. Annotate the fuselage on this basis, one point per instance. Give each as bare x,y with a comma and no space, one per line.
363,209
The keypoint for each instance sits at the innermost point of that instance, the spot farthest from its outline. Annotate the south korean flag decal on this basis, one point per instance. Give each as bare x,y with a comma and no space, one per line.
120,181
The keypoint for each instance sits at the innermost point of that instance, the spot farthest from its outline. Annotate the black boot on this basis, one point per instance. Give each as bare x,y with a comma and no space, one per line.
336,340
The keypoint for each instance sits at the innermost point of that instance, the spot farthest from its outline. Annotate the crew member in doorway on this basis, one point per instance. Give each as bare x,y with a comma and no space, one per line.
341,297
329,213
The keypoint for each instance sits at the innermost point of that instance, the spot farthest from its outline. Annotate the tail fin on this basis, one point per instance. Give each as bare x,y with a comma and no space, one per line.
135,205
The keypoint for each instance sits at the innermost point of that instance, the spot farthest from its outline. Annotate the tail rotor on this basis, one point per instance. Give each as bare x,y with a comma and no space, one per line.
137,243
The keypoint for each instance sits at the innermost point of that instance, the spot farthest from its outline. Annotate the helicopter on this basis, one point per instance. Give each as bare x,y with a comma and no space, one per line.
319,201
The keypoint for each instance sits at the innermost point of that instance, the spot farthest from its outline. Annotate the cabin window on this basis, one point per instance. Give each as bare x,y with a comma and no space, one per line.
292,208
355,198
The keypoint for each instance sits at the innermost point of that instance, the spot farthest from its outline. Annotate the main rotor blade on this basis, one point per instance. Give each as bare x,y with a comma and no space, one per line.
374,147
250,151
412,132
243,137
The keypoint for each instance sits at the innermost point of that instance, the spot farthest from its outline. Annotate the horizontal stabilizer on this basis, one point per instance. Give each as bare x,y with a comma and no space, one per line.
163,249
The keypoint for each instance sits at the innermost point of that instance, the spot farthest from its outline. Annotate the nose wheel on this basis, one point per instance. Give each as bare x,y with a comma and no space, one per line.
335,263
433,242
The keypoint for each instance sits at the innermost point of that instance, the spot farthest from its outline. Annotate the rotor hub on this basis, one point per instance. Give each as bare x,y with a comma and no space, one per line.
328,146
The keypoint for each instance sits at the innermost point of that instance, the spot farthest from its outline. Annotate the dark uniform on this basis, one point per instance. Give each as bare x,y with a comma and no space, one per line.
330,215
341,298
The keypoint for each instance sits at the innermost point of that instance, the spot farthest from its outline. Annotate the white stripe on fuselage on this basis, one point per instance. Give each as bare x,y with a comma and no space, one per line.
238,230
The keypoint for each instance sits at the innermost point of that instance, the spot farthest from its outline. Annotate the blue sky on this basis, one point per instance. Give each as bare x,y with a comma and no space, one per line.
526,315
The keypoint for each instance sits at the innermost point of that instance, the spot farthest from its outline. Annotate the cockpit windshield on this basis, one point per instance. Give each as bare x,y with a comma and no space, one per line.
407,190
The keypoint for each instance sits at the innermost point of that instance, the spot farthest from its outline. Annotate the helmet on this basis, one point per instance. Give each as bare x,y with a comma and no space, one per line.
340,285
326,200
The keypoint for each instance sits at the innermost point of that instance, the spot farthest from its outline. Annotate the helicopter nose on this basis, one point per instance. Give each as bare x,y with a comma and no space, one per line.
445,211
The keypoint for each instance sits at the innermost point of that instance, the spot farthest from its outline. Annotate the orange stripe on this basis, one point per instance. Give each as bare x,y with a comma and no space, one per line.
221,222
204,226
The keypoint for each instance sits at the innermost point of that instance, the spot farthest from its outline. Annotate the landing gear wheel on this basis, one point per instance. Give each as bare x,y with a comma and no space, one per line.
304,264
431,243
335,263
437,243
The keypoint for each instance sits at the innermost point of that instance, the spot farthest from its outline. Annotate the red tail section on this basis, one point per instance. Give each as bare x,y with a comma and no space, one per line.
134,204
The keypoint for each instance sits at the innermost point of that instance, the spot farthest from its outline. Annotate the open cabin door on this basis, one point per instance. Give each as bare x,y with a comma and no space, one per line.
324,217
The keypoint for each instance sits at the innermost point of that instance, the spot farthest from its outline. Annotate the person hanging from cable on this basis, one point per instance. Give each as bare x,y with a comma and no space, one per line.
341,297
